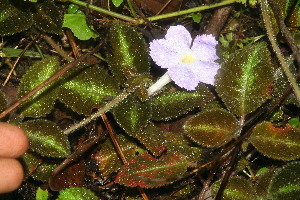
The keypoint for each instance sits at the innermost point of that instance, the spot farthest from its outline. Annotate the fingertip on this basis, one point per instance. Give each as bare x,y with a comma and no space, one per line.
16,141
11,175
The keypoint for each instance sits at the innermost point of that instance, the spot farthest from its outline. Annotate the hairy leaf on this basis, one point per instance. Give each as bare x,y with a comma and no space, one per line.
86,88
30,162
237,188
277,143
172,104
262,184
12,52
76,194
41,103
179,144
211,127
132,115
286,183
244,80
47,17
108,159
77,24
147,172
129,52
14,17
46,138
44,171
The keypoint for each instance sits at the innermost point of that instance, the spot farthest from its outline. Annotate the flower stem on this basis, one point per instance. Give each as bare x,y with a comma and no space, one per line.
161,82
267,20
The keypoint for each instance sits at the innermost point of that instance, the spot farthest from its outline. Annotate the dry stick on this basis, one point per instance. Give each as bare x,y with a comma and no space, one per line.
162,9
285,31
270,32
72,42
17,61
119,150
57,48
49,80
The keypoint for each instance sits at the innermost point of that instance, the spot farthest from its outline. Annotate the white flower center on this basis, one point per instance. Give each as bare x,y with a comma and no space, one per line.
188,57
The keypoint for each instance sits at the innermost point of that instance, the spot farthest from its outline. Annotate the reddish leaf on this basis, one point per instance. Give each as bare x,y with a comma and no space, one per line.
145,171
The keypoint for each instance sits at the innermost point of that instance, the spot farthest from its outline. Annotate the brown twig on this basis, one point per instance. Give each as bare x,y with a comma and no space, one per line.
119,150
46,82
57,48
17,61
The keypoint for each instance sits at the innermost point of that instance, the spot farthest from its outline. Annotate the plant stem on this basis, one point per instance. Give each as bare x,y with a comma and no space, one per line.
153,18
267,20
101,10
131,8
100,112
161,82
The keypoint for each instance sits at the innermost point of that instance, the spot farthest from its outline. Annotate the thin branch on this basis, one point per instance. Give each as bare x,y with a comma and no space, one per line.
270,32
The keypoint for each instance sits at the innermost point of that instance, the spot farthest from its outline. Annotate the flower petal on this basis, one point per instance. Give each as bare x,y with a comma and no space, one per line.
183,77
204,47
205,71
179,38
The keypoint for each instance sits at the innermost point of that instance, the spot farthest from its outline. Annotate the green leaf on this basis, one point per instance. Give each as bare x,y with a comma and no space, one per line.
277,143
132,115
87,87
46,138
12,52
47,17
197,17
77,24
76,194
42,102
129,52
108,159
41,194
117,3
286,183
30,162
211,127
262,184
237,188
243,82
173,104
147,172
14,17
179,144
44,171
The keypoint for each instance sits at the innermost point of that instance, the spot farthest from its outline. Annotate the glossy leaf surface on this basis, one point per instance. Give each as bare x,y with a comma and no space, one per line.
129,52
243,82
172,104
237,188
277,143
147,172
76,194
86,88
132,115
47,17
108,159
14,18
286,183
46,138
211,127
41,103
178,143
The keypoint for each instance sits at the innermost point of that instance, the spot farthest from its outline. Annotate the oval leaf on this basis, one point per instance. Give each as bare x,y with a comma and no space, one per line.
46,138
132,115
286,183
14,18
76,194
172,104
108,159
237,188
47,17
129,52
147,172
41,103
244,80
211,127
88,89
277,143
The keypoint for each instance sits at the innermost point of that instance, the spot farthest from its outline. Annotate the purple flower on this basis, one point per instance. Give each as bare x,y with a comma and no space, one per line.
187,62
